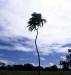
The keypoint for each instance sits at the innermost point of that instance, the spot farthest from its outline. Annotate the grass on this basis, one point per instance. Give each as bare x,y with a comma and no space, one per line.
2,72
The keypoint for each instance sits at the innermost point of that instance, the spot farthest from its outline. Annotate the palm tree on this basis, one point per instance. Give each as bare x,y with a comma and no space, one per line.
34,23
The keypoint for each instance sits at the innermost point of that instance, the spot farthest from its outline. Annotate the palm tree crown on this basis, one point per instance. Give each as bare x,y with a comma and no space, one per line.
35,21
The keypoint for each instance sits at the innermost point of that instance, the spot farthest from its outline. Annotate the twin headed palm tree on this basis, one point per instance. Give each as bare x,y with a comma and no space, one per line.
34,23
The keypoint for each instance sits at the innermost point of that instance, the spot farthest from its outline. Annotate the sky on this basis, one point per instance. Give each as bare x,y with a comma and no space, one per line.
17,43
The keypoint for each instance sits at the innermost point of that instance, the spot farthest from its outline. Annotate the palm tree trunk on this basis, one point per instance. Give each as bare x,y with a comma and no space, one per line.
37,50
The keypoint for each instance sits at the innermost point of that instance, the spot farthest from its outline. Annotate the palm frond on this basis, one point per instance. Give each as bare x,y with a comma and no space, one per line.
35,21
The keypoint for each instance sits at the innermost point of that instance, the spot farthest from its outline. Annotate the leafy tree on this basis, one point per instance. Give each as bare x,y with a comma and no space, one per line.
34,23
28,67
69,58
51,68
67,63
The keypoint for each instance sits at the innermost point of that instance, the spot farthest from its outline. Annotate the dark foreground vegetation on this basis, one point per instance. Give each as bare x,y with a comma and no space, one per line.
8,72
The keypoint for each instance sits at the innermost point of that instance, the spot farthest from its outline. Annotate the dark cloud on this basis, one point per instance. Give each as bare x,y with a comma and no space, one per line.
1,28
67,45
23,41
4,42
10,43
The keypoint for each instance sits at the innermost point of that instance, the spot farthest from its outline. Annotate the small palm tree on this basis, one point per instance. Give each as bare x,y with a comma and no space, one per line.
34,23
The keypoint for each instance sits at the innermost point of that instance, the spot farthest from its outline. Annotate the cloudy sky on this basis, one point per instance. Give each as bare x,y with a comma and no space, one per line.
17,43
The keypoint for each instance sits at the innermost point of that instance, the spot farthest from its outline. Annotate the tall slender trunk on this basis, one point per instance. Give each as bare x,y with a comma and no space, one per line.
37,50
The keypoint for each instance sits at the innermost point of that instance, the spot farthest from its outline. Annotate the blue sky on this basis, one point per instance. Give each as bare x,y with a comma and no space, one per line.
17,43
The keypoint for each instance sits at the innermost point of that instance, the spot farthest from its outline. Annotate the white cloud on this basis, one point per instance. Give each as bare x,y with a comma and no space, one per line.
57,27
50,64
24,49
62,50
63,58
7,62
56,30
58,16
60,66
34,64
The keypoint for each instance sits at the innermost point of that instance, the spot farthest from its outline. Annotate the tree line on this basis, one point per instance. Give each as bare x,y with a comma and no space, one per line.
27,67
30,67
